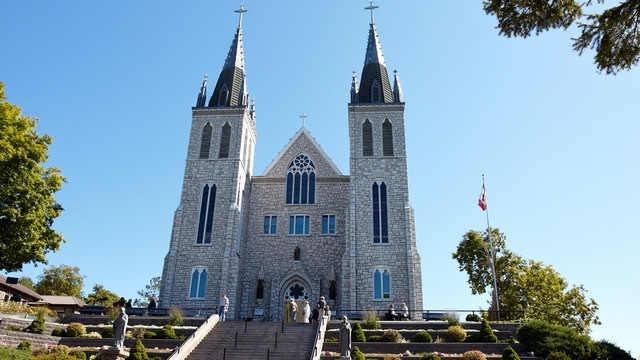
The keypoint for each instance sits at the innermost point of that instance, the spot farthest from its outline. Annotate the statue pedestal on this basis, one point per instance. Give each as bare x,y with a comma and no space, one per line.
113,354
345,357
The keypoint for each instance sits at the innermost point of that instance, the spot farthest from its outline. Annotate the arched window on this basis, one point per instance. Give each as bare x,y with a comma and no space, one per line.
387,138
367,138
301,181
375,91
225,140
223,96
207,206
205,142
198,283
381,284
260,289
380,227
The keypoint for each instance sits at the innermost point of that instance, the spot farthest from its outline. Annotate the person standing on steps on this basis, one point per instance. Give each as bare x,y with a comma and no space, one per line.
223,306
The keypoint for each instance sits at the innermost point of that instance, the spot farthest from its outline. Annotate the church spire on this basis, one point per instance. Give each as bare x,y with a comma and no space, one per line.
397,90
374,82
202,95
231,88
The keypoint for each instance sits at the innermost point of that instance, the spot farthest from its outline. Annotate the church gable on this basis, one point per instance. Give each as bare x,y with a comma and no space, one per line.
300,146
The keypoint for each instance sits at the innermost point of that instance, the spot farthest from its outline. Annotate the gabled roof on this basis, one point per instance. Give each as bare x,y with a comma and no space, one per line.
60,300
303,132
25,292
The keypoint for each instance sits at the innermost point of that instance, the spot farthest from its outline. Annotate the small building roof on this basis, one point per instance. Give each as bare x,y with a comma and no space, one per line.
25,292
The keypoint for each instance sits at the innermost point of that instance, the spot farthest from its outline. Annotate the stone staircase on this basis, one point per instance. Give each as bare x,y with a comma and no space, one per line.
253,340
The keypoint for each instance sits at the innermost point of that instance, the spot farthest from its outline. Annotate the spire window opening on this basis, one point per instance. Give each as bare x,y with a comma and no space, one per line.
223,97
375,91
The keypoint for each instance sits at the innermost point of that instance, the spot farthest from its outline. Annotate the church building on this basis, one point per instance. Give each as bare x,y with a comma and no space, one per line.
301,229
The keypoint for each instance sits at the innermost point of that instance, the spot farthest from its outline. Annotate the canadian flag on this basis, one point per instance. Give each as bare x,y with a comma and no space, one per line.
482,201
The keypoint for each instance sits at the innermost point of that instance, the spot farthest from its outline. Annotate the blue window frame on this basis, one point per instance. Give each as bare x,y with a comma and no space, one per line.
270,225
301,181
299,225
380,225
207,206
328,224
198,283
381,284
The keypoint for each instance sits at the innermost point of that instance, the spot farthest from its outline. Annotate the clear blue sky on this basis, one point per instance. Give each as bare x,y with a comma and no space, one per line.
114,82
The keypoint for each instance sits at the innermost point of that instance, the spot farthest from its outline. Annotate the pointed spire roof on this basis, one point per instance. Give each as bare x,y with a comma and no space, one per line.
202,95
231,88
397,90
374,82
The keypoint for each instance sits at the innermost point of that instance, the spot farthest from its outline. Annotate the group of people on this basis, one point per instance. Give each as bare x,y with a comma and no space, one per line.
308,315
393,315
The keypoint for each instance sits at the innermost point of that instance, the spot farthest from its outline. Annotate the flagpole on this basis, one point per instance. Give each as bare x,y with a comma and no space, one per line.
493,257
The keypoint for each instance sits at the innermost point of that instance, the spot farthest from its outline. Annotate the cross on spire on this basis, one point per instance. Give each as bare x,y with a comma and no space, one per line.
241,11
303,117
371,7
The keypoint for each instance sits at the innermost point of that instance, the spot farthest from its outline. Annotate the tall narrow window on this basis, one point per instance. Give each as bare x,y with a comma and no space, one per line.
375,91
198,283
387,138
328,224
205,142
299,225
270,225
223,95
205,222
301,181
225,141
381,284
367,138
380,226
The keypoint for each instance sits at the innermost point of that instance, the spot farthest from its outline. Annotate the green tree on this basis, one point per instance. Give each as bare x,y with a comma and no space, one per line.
27,205
614,33
101,296
27,282
528,286
62,280
150,291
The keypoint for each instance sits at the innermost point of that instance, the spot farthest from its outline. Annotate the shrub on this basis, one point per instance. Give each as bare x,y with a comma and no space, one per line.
138,351
357,335
422,336
107,332
391,357
456,334
430,356
149,335
510,354
166,332
58,332
557,355
371,320
76,330
60,349
374,338
473,317
14,354
332,339
78,354
138,332
474,355
610,351
486,333
25,345
452,318
92,335
175,317
543,338
391,336
37,325
356,354
14,328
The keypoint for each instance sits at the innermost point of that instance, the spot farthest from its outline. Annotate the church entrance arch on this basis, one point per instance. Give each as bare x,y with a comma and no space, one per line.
299,292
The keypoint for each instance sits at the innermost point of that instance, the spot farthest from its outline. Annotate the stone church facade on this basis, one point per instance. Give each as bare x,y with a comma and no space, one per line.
301,229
